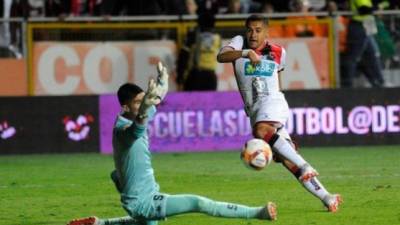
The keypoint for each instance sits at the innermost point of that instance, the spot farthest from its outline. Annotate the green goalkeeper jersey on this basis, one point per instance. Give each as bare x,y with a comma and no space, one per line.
132,160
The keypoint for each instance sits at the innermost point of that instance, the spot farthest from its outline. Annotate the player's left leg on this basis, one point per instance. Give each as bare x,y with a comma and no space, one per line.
179,204
313,185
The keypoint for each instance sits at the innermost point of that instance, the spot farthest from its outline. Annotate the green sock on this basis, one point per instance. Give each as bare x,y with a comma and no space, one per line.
126,220
179,204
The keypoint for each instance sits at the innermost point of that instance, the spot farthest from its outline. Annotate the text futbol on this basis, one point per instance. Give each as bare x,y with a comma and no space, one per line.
302,121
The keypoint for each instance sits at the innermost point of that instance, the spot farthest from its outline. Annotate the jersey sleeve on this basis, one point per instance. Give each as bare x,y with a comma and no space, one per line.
236,43
128,131
151,112
282,61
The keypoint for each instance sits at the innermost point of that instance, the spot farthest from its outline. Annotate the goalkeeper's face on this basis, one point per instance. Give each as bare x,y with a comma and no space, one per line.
132,107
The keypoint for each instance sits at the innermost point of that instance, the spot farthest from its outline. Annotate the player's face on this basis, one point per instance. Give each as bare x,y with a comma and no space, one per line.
134,105
256,34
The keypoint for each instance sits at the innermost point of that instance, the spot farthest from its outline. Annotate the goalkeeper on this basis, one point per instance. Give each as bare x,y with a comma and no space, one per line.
134,176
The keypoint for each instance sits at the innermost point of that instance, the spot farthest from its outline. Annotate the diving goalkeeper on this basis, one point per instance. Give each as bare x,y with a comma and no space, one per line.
134,178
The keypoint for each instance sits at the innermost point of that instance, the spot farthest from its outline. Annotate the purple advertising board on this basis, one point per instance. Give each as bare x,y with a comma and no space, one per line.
197,121
213,121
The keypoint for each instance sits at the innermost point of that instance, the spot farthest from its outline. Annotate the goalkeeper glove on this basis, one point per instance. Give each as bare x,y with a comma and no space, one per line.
162,81
151,98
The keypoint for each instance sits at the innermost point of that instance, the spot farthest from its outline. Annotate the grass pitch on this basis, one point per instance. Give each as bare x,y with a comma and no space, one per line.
52,189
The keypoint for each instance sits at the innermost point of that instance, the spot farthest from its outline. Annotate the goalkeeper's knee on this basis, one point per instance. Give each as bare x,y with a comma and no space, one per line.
207,206
115,179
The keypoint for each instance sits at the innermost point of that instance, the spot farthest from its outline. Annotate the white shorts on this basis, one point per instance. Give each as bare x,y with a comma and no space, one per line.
284,133
271,110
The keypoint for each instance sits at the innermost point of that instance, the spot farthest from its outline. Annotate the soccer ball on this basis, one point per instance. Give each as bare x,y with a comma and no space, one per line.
256,154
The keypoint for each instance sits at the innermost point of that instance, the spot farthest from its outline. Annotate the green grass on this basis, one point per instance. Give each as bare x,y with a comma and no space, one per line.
52,189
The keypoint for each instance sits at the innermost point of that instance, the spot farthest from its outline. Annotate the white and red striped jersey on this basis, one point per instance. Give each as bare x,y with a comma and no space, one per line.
259,82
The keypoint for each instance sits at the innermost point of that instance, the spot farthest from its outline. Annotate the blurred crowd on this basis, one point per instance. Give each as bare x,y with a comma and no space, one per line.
359,45
64,8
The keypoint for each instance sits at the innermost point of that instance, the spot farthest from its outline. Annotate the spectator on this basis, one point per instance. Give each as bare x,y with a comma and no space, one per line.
249,6
33,8
342,5
84,7
39,8
111,7
317,5
133,7
176,7
197,59
341,23
278,5
145,7
394,4
55,8
383,36
267,7
61,8
191,7
10,32
208,6
234,7
362,49
275,30
303,26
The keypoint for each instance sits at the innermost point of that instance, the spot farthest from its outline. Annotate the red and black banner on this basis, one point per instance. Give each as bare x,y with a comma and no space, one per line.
49,124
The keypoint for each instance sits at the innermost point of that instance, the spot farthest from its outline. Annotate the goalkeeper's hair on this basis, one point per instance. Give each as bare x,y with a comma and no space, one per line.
127,92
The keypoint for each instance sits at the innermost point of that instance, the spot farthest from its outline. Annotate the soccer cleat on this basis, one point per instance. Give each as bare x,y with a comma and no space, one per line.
332,202
85,221
307,172
268,212
272,212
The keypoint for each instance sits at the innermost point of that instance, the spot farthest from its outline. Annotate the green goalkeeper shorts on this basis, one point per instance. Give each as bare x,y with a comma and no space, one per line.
150,208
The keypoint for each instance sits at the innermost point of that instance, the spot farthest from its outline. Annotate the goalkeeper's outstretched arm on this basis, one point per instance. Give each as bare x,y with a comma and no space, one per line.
156,92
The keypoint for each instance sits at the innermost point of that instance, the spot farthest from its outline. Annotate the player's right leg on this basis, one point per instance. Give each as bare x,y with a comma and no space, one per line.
267,131
179,204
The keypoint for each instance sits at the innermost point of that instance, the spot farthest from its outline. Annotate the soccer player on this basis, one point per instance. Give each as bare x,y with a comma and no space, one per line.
258,66
134,178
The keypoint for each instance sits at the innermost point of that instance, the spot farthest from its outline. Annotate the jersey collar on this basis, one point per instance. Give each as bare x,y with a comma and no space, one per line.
261,48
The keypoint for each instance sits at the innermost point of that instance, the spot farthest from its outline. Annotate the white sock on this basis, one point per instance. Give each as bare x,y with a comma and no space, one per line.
316,188
286,150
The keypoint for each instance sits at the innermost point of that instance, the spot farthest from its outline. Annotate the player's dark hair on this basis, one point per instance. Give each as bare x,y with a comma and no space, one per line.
128,92
256,17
